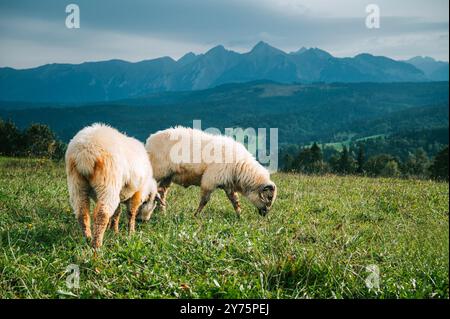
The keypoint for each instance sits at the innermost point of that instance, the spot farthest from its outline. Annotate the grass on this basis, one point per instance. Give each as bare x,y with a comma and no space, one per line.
316,243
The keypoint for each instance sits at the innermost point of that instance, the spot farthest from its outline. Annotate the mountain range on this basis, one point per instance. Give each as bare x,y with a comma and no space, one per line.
434,70
117,79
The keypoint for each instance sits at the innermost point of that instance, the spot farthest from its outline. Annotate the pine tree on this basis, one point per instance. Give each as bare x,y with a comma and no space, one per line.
346,162
10,139
310,160
417,164
361,159
439,168
316,153
288,162
382,165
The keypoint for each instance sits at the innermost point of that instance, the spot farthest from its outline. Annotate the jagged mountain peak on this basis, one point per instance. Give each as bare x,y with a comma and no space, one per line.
187,58
217,49
299,51
421,59
264,48
109,80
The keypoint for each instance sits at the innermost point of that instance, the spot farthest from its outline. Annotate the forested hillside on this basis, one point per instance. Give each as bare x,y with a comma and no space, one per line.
302,113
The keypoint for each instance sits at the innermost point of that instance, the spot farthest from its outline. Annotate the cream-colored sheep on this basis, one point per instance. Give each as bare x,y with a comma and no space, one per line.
109,167
187,157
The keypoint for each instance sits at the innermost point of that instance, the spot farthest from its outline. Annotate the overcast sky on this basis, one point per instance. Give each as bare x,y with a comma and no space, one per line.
34,33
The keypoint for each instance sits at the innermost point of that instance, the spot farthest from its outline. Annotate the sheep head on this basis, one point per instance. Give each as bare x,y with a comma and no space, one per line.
263,197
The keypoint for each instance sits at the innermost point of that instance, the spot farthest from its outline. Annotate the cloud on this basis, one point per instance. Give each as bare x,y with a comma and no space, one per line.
77,46
34,32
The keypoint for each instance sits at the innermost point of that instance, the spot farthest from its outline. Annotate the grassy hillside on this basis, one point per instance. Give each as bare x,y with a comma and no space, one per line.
317,242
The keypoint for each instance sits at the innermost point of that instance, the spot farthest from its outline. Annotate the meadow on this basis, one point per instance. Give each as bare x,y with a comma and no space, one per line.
319,240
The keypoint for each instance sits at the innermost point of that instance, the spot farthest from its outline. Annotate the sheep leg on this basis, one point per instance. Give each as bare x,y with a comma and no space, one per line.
163,189
84,218
115,219
101,220
133,205
79,199
206,194
234,199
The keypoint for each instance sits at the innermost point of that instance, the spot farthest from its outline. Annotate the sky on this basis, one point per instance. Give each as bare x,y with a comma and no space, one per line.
33,32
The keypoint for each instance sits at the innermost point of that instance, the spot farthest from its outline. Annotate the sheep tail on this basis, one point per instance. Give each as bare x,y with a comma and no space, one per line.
86,161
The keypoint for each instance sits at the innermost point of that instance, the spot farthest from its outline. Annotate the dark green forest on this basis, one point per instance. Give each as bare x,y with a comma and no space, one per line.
302,113
361,159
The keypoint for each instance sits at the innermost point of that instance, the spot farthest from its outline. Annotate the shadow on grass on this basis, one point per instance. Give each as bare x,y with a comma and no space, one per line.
42,233
38,238
296,274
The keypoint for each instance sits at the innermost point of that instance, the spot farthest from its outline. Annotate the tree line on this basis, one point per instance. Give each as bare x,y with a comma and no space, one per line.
37,140
353,160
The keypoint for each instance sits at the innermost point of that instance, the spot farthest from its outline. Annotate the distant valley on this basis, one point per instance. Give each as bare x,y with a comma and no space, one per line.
303,113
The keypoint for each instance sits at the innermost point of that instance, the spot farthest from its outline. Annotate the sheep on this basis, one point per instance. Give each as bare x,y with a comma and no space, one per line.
232,168
109,167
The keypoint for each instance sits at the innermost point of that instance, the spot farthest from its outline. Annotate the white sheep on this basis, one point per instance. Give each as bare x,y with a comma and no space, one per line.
188,156
109,167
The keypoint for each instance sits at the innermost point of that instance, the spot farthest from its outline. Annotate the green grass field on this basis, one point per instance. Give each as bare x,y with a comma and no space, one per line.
316,242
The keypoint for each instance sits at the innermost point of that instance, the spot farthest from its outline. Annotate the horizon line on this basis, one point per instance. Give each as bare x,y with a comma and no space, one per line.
214,47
